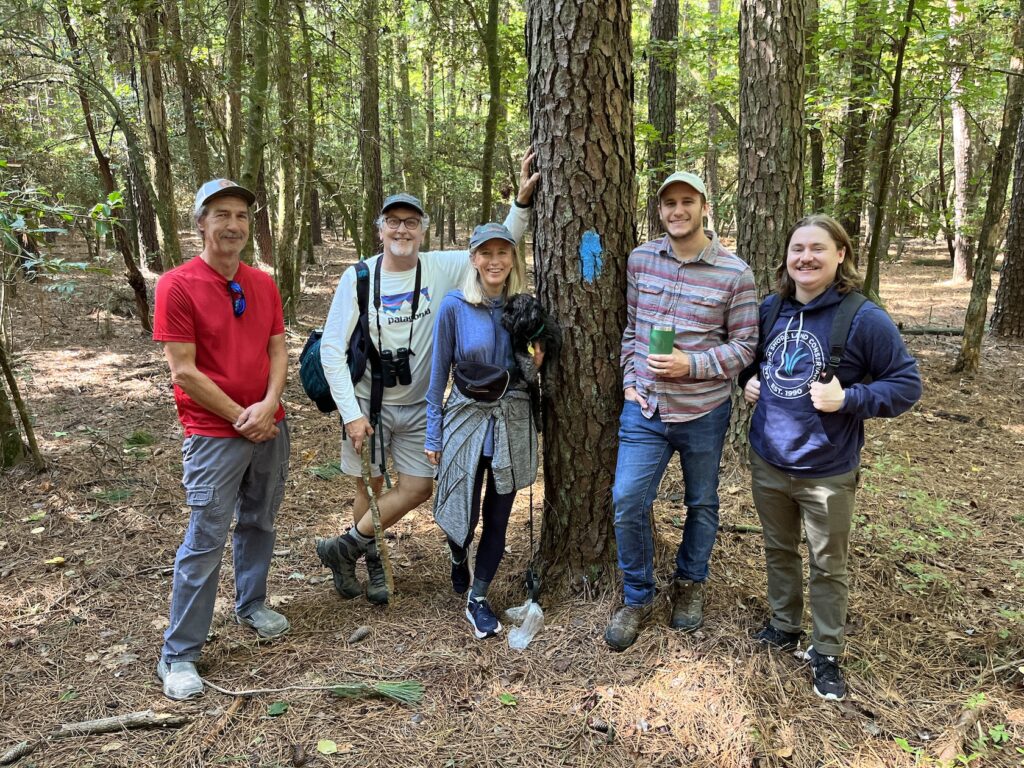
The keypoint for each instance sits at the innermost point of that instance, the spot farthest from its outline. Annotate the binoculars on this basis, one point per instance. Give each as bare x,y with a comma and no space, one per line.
395,367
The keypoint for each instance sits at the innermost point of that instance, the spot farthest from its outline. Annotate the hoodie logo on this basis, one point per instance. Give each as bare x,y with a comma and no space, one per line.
792,361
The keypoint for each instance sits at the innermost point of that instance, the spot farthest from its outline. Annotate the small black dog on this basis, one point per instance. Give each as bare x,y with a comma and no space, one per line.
527,322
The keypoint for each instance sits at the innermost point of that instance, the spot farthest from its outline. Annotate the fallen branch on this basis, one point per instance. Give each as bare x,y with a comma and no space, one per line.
378,529
741,528
222,722
404,691
951,746
931,330
145,719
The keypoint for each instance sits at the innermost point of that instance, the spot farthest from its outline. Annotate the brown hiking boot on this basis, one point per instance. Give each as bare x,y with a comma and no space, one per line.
625,625
687,605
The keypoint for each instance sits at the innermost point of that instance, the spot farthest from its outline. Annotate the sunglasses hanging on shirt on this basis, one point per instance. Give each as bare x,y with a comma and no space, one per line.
237,298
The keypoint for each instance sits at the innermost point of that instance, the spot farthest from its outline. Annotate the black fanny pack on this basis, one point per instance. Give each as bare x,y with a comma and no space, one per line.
481,381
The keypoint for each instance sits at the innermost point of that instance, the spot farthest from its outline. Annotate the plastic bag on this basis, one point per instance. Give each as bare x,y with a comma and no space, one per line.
530,620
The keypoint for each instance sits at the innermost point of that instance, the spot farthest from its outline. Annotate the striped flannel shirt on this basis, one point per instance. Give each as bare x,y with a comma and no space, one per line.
710,299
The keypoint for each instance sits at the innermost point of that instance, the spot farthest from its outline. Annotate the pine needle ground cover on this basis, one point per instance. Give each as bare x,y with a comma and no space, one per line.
936,631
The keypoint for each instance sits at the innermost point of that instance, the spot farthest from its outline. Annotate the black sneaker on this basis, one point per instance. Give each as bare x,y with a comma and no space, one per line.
340,556
376,585
778,638
460,576
828,678
485,623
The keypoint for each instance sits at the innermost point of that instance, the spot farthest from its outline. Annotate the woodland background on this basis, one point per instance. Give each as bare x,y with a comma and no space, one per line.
902,118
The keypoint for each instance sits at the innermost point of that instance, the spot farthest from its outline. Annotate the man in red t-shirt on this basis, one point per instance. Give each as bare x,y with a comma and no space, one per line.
222,330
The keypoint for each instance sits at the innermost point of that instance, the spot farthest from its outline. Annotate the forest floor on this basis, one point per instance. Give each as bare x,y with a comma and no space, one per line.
936,629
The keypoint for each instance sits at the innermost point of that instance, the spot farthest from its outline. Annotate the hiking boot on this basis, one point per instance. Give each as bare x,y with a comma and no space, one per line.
338,555
485,623
376,584
778,638
267,623
181,680
687,605
460,576
625,625
828,678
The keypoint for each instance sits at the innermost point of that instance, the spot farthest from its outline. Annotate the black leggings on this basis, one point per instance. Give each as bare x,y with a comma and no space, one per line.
497,507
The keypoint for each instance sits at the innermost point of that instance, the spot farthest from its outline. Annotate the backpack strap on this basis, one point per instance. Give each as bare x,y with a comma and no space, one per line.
840,331
773,302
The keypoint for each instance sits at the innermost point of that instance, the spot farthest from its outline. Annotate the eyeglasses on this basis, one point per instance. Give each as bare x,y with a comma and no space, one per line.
412,224
237,298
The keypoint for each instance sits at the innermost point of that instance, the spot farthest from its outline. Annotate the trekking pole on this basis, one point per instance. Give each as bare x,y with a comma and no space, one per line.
378,529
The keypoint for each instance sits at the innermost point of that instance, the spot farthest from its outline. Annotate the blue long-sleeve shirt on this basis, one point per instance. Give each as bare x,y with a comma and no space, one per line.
464,331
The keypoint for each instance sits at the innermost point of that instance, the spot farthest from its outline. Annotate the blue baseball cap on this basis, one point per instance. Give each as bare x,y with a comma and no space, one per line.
220,188
491,231
403,199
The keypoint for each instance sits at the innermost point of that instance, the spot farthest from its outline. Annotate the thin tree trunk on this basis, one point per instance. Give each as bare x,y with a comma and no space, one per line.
233,88
711,181
489,37
947,223
252,164
156,129
197,150
23,414
369,128
863,76
580,84
12,449
815,139
963,265
885,156
410,161
661,103
969,359
429,113
285,253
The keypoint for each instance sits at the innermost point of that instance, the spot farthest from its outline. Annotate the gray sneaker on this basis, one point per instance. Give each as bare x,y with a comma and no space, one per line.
341,558
267,623
376,585
181,680
625,625
687,605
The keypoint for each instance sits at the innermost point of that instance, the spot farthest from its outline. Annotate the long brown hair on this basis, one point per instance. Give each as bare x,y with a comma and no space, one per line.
847,278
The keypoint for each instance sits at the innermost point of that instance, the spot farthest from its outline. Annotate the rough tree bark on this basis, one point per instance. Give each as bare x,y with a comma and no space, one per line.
661,103
885,156
815,138
863,76
1008,315
580,84
969,358
369,127
255,132
197,150
963,246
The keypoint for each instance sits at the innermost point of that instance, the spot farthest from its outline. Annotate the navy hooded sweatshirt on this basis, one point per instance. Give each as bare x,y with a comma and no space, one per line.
786,430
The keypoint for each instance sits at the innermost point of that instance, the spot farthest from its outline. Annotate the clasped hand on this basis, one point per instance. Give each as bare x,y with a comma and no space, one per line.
256,423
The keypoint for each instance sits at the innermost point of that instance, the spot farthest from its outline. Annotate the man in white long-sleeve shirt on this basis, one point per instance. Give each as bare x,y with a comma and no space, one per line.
407,278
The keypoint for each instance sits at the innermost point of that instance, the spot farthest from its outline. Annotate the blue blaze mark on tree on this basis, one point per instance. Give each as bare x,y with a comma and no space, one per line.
590,255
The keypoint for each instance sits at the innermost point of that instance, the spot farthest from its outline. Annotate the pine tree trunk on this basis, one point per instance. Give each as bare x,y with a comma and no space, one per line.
1008,315
369,128
156,129
262,232
661,103
410,162
255,132
489,37
233,88
963,250
969,359
580,84
863,76
285,255
429,114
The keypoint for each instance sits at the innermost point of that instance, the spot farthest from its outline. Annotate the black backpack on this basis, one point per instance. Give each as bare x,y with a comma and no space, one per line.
837,335
360,350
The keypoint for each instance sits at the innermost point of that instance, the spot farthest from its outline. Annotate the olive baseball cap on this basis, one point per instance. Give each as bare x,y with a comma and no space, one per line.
492,231
684,177
221,188
403,199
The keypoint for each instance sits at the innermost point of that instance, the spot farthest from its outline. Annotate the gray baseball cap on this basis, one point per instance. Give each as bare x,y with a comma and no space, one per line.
684,177
492,231
220,188
403,199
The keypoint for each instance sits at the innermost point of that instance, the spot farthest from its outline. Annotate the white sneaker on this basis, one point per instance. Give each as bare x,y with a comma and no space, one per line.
267,623
181,680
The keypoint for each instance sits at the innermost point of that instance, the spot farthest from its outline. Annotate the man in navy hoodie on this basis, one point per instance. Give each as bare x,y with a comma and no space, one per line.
807,432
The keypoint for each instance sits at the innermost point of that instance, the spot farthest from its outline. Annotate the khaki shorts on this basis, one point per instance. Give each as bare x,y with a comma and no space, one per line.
402,433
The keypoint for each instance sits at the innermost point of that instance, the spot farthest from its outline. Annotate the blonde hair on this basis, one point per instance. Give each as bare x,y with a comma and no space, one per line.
846,279
473,292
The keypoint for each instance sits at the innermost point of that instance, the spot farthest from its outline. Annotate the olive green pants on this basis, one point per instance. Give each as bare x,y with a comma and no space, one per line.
825,505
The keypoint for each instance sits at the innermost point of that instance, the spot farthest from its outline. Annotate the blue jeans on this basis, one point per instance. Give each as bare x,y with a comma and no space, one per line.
225,478
645,447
